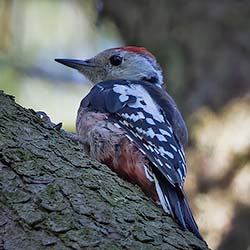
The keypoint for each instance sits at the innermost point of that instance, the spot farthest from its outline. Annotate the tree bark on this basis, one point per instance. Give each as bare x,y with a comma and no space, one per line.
53,197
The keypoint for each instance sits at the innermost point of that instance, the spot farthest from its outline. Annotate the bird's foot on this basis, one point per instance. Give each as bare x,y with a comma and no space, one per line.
58,127
47,119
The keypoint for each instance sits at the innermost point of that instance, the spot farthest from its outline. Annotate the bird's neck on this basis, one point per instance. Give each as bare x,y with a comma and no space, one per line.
155,79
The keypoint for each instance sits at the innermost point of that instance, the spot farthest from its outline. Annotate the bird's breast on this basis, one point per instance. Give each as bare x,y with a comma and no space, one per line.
109,145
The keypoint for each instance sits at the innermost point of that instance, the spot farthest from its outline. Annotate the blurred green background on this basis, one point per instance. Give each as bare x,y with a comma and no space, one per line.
204,50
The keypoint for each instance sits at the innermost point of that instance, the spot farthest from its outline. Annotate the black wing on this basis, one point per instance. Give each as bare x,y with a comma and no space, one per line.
132,107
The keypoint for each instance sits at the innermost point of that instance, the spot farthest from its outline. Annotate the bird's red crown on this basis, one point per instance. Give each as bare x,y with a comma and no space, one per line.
140,50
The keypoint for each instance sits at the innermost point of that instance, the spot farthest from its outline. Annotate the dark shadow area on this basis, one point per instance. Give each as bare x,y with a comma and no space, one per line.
238,237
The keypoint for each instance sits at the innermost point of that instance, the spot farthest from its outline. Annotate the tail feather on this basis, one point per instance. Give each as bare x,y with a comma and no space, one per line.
174,202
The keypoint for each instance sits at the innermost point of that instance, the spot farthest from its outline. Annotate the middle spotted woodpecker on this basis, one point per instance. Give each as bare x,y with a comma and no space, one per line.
129,122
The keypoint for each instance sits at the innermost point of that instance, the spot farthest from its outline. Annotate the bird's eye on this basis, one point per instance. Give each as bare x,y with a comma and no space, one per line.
115,60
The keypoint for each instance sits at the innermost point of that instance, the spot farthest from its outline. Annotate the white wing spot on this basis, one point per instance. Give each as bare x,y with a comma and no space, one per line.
184,168
123,98
125,115
140,130
150,148
173,147
169,154
135,134
141,94
167,165
171,180
141,115
163,199
148,174
150,121
164,132
125,123
159,161
134,117
156,150
180,173
142,151
117,125
170,128
161,137
129,137
164,152
182,156
150,132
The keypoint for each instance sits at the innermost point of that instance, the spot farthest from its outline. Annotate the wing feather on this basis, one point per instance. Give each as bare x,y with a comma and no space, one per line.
132,107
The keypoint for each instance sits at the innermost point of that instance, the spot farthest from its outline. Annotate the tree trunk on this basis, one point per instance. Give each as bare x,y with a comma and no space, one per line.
53,197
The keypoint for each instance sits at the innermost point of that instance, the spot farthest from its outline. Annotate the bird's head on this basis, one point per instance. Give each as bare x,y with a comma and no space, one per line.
130,63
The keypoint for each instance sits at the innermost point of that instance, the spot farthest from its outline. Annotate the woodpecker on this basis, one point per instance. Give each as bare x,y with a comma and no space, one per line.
129,122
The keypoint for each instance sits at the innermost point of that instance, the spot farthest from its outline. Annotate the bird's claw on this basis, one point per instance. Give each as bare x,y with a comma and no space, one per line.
47,119
58,126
